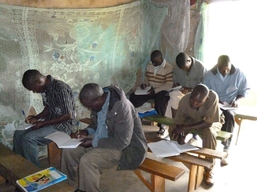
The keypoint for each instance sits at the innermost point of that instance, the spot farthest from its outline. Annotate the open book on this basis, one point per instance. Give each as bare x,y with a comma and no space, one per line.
24,126
175,88
63,140
140,91
41,179
165,148
226,106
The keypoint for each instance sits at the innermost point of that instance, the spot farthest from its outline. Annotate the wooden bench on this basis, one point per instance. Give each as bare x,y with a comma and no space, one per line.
195,161
14,167
222,135
159,171
54,155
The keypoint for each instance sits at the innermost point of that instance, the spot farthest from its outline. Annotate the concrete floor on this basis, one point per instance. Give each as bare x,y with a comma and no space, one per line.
237,176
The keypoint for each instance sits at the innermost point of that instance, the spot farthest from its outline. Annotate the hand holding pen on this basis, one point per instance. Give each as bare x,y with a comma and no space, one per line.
234,103
23,113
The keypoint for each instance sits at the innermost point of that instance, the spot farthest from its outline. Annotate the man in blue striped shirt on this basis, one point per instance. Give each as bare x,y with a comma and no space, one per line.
58,114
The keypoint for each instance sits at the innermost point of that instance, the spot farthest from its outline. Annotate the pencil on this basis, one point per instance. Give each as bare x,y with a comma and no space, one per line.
77,127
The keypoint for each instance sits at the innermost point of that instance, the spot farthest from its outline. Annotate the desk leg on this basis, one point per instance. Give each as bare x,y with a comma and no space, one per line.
239,122
192,178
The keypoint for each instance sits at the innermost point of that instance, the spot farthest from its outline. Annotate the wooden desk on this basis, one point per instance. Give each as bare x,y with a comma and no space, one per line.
239,117
195,160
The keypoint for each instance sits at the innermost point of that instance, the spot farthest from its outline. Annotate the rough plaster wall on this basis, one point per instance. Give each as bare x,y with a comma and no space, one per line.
66,3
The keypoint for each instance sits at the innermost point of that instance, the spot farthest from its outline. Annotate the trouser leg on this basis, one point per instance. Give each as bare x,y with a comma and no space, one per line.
139,100
17,142
70,163
26,142
92,163
228,126
209,137
161,102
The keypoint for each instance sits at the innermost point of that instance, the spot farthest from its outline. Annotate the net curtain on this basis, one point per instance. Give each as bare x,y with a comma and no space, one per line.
78,46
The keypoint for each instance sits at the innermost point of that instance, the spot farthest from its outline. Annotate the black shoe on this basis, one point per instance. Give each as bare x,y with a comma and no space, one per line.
77,190
17,190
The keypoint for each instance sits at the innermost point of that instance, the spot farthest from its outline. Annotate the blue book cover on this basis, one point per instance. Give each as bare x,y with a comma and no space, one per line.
41,179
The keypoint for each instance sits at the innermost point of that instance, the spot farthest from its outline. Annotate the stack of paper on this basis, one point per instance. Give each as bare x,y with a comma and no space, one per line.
165,148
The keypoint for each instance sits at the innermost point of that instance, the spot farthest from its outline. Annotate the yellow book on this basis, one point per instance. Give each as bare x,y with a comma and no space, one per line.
41,179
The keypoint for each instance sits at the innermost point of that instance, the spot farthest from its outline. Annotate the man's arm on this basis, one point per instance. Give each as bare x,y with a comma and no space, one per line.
59,119
120,127
34,118
187,128
66,106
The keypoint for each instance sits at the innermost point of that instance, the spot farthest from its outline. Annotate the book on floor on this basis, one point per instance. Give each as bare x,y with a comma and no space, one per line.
63,140
166,148
41,179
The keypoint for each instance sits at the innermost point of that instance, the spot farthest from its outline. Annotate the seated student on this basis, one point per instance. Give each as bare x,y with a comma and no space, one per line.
58,114
159,76
188,73
116,138
199,112
230,84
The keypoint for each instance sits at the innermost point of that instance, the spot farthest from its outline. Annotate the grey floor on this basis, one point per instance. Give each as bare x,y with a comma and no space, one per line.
238,176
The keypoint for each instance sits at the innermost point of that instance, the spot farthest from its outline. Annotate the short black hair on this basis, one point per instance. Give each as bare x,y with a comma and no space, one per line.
30,77
223,60
181,59
201,89
155,54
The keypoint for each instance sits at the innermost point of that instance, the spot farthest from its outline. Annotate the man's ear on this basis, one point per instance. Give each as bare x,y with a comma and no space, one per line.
39,81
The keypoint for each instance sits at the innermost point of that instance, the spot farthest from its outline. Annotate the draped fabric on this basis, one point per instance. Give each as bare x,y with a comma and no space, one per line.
175,28
103,45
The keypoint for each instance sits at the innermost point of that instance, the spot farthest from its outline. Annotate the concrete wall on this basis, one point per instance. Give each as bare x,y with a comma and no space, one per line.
66,3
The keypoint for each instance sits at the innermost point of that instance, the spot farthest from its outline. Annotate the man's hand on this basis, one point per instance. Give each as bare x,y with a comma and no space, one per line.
151,91
186,90
143,86
234,103
81,134
86,142
31,119
176,133
38,125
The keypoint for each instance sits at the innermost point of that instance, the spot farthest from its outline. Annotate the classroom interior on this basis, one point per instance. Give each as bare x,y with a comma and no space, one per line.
40,34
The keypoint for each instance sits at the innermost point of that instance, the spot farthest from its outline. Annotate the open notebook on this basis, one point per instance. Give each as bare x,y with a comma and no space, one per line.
166,148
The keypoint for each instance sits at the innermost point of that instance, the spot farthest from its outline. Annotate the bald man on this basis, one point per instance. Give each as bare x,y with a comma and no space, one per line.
199,112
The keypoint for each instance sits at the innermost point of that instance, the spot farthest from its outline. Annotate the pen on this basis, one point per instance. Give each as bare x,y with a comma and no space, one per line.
77,124
233,101
23,113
